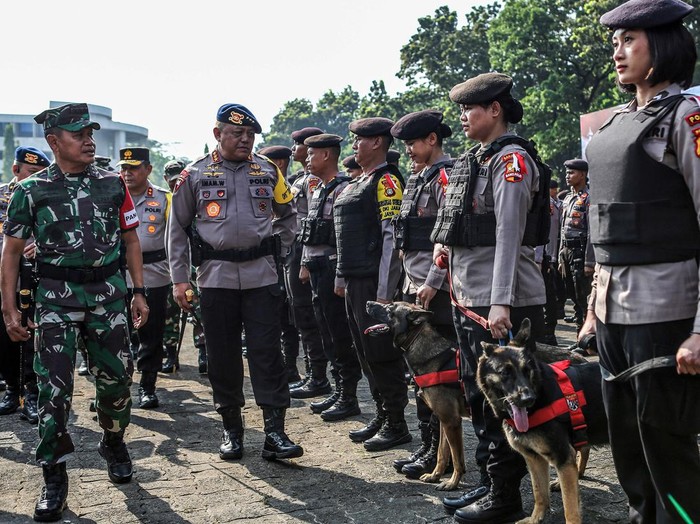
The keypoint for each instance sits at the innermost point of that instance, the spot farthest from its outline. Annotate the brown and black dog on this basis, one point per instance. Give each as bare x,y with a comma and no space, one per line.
527,394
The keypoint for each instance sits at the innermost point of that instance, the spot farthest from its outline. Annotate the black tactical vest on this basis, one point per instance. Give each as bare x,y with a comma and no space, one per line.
358,227
458,225
316,230
412,232
641,210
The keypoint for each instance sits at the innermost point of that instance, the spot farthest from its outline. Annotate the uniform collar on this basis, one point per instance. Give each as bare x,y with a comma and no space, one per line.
671,90
56,173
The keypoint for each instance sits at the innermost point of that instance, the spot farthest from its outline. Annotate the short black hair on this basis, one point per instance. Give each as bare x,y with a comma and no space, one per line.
673,56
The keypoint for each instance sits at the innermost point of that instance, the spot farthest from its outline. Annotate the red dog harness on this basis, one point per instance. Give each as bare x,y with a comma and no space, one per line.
448,376
569,403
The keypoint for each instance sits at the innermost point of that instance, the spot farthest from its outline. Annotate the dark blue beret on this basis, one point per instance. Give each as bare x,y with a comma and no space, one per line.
481,89
350,163
302,134
374,126
32,156
643,14
419,125
576,163
238,115
323,140
276,152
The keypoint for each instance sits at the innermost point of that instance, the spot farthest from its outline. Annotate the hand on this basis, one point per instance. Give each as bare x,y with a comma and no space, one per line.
340,291
15,330
180,295
424,295
29,251
588,271
440,252
139,310
304,275
589,326
688,356
499,321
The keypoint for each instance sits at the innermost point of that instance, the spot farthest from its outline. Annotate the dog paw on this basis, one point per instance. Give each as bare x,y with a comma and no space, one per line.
447,486
429,477
531,520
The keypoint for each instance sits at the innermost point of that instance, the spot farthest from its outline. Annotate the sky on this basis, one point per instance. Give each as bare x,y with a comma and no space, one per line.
169,65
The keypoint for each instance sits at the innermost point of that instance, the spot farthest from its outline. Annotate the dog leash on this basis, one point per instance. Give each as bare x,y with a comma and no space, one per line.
653,363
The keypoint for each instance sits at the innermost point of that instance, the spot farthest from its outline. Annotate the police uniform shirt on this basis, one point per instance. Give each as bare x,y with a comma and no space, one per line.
574,221
418,265
302,188
389,195
153,208
235,205
644,294
504,274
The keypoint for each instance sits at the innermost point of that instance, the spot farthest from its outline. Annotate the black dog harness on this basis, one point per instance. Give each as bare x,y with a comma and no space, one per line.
564,399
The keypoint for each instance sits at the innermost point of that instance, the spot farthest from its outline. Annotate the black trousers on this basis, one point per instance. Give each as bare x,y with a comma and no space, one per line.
578,285
493,453
225,312
550,276
381,362
150,336
654,420
332,317
10,356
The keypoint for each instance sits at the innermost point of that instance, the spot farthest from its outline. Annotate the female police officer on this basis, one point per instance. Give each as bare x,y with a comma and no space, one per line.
492,193
644,170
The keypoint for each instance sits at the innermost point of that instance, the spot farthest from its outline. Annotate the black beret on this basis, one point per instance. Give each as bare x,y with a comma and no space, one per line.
576,163
134,156
374,126
392,156
323,140
646,13
350,163
31,156
276,152
419,125
71,117
302,134
553,184
238,115
481,89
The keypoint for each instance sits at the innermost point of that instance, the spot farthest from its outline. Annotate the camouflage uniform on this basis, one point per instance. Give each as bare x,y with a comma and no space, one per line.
171,333
56,209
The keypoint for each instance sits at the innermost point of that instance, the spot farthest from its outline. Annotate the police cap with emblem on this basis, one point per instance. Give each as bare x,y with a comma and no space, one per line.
276,152
172,169
238,115
642,14
323,140
486,88
373,126
350,163
302,134
576,163
419,125
71,117
134,156
31,156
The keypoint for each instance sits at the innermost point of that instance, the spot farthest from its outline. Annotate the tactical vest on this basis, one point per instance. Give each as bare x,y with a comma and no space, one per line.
358,227
641,210
316,230
458,225
412,232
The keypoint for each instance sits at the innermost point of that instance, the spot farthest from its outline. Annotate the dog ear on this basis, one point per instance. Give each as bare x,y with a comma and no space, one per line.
488,348
523,335
419,316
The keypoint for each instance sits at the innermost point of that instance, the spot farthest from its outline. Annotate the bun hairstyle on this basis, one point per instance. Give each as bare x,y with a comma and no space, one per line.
512,108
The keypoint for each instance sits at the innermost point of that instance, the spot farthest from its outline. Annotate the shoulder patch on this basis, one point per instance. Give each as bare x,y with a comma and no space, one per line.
515,167
282,192
693,119
181,179
389,196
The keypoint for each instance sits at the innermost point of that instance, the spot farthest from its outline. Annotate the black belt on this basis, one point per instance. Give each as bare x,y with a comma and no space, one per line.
151,257
268,246
78,275
317,263
574,242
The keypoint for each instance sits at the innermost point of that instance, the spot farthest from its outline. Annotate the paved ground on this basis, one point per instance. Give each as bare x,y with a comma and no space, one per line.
179,477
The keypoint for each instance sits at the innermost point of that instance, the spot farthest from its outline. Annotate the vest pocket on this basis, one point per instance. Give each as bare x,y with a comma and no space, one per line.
615,222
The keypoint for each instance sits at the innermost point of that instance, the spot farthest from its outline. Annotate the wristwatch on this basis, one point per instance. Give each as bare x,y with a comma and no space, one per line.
140,291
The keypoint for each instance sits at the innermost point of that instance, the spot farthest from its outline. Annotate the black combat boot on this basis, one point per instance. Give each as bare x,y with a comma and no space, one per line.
346,406
29,410
277,443
452,504
501,504
147,390
52,502
393,432
307,375
232,440
425,433
316,387
290,365
426,463
372,427
322,405
113,450
172,362
202,359
10,402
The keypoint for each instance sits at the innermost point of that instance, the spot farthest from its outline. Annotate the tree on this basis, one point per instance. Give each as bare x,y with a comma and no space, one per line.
8,155
294,115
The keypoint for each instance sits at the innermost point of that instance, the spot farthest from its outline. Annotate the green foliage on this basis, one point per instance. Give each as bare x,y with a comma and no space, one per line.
8,155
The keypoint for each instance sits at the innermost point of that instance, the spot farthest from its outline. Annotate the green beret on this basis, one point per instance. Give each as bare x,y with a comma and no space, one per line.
576,163
643,14
481,89
419,125
374,126
323,140
302,134
276,152
350,163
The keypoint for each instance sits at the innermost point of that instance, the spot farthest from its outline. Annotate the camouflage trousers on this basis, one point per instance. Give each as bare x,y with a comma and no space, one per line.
103,329
173,325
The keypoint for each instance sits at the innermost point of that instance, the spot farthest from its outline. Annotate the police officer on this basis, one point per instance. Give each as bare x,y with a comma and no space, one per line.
493,197
576,259
424,282
280,156
547,255
243,207
80,216
352,168
314,337
644,168
152,205
28,160
369,263
318,266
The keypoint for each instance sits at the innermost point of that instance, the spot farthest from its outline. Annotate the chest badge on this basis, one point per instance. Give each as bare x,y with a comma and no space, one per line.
151,228
213,209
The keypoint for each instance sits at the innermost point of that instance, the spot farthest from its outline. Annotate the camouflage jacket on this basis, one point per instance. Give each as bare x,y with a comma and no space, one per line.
77,223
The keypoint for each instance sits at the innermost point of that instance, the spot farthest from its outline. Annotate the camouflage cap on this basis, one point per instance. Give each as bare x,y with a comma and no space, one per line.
173,169
71,117
103,162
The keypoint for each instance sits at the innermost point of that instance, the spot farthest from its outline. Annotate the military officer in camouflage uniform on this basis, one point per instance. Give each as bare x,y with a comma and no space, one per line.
28,160
243,210
152,205
79,216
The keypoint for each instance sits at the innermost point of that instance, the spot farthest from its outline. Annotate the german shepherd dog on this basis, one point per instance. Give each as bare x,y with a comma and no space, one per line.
516,385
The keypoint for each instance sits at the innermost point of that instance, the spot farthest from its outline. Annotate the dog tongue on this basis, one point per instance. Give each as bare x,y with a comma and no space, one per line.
377,329
520,418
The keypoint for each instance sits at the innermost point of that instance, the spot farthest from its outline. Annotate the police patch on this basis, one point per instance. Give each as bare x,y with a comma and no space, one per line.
220,193
152,218
263,191
313,183
213,209
693,119
206,194
262,206
153,203
181,179
255,167
131,218
696,132
515,167
572,402
151,229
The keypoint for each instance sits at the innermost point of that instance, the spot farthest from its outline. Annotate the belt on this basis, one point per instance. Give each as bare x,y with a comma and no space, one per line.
320,262
77,275
574,242
151,257
268,246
